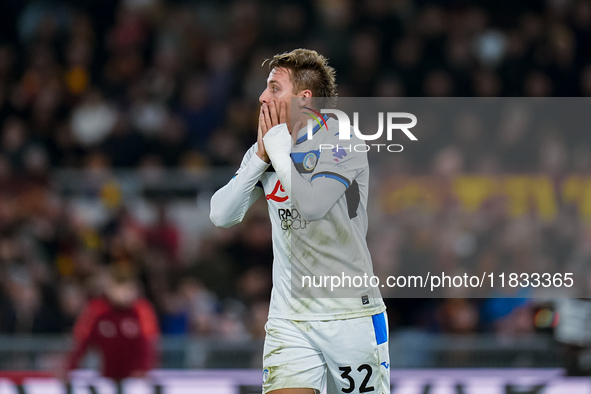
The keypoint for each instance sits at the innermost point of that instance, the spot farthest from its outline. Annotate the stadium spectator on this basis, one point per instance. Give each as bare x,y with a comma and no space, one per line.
164,234
122,326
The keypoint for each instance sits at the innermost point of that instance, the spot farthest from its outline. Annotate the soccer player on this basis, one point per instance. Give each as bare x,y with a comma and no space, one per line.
317,204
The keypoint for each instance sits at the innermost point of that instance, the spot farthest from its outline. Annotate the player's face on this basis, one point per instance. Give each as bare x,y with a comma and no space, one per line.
279,89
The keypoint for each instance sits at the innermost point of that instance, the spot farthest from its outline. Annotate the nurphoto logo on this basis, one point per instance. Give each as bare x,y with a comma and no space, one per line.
391,120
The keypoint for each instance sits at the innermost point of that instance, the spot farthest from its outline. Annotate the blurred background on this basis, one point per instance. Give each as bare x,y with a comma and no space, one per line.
119,119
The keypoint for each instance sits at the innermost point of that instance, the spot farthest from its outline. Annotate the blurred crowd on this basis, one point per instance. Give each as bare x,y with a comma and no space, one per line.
152,84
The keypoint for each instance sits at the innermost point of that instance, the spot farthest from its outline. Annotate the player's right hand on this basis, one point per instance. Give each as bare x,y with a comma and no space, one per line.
261,152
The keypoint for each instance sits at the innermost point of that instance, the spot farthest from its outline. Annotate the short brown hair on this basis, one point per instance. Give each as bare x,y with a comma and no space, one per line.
308,70
121,273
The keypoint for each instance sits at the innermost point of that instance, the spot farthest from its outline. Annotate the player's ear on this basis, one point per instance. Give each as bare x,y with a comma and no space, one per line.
305,98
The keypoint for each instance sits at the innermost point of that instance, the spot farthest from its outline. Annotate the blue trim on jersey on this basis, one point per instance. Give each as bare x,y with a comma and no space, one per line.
337,177
314,130
298,157
379,327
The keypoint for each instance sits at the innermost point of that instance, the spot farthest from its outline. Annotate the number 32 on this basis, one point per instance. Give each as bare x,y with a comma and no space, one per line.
363,388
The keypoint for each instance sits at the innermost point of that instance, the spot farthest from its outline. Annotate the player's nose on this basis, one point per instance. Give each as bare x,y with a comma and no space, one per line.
263,97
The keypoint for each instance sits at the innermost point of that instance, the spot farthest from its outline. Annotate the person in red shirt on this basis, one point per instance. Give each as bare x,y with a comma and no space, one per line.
122,326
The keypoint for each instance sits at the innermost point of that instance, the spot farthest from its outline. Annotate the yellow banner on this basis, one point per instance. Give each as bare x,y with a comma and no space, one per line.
519,194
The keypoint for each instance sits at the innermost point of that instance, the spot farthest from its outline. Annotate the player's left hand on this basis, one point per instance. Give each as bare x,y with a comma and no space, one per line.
277,140
261,152
272,116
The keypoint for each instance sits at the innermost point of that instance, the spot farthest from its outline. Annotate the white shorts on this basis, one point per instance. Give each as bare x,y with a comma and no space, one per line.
354,352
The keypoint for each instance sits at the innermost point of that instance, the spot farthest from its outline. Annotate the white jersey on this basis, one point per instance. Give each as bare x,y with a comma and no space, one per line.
314,238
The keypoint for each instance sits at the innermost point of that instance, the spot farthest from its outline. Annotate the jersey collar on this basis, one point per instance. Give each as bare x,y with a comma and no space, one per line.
316,128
